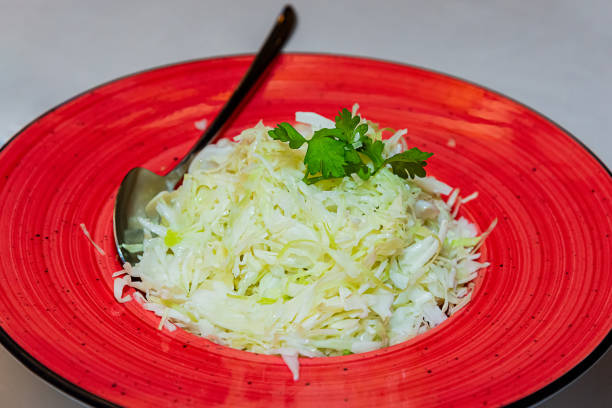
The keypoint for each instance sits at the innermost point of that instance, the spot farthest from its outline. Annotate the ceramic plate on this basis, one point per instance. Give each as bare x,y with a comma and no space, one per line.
539,316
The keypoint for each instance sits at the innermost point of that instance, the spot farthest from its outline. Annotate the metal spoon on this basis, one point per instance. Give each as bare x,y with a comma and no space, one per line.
140,185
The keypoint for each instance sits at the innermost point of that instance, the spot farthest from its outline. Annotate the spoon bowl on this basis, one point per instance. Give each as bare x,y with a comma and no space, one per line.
137,189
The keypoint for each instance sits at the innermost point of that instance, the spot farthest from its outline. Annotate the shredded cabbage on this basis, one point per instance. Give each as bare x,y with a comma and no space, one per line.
247,255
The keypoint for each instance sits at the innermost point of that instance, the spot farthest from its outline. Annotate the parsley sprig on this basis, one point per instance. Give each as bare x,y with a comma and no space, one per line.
339,152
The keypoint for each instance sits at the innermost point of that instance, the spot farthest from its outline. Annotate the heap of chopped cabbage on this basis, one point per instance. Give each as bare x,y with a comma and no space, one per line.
246,254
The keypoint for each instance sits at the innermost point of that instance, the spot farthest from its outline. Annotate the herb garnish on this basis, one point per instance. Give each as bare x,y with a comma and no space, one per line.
340,151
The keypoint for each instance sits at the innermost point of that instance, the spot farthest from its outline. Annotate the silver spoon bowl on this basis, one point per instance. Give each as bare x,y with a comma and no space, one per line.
140,185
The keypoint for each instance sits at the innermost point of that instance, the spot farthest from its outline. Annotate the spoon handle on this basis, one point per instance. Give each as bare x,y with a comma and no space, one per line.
285,23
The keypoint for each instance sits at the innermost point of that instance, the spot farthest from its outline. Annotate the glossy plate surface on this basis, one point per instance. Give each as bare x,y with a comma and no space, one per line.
540,315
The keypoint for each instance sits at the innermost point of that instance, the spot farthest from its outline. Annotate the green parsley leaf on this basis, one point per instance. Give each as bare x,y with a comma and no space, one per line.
327,132
287,133
351,156
373,149
354,164
325,155
362,129
409,163
347,123
361,169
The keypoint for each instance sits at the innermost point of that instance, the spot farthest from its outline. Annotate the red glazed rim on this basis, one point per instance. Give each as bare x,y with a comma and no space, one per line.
535,396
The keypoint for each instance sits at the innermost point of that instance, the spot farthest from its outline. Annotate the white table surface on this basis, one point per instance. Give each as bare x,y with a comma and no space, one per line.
555,56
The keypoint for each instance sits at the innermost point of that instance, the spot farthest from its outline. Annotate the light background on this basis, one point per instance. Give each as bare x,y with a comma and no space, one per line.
555,56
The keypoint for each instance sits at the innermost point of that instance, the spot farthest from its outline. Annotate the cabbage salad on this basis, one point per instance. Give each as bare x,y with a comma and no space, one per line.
248,255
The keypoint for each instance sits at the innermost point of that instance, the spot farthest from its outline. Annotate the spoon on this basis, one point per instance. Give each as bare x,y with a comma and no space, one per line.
140,185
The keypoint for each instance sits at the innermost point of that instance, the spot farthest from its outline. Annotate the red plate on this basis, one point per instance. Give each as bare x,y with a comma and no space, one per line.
541,313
